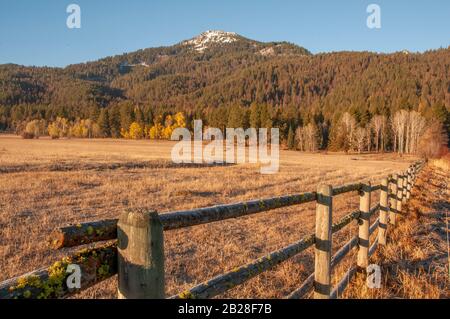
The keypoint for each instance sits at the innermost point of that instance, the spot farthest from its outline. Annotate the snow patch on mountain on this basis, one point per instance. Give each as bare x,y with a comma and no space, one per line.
267,51
204,40
131,65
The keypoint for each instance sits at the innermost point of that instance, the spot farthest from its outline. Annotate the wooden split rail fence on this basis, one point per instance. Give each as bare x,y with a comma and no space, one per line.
138,254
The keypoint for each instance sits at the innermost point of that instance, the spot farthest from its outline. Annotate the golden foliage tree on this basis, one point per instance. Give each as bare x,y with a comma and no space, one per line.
58,128
34,129
85,129
135,132
159,131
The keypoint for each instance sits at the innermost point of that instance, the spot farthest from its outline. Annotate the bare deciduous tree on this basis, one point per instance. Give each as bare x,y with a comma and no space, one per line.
378,125
300,138
399,124
368,138
307,138
416,129
407,128
360,138
349,125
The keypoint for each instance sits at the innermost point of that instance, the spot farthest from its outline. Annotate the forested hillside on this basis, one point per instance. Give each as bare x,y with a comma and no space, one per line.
228,80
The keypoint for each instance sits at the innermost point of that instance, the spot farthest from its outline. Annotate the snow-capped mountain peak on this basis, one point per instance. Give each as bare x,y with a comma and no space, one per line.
204,40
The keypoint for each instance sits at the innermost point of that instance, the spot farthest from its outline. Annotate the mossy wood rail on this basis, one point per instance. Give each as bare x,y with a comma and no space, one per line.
138,257
96,264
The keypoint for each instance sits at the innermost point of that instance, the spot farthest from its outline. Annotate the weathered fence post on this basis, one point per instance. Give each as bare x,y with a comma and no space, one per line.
408,184
393,200
405,186
399,194
384,209
413,172
363,231
141,255
322,261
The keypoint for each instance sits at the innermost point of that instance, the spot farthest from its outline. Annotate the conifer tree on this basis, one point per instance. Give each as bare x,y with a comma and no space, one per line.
139,116
114,121
255,116
103,122
126,115
291,138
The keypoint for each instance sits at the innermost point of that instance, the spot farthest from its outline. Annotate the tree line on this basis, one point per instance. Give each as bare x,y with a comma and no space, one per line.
402,132
305,96
124,126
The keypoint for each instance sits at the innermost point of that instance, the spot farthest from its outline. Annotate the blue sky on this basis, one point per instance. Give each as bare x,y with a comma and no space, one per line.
35,32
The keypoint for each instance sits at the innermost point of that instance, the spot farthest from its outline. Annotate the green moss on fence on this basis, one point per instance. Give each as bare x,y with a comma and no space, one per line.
52,284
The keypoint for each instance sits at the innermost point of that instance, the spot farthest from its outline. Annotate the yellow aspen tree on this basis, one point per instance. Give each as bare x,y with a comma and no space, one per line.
135,131
53,130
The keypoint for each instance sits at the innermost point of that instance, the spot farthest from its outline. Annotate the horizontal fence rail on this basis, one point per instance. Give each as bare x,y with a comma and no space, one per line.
97,264
240,275
89,232
144,229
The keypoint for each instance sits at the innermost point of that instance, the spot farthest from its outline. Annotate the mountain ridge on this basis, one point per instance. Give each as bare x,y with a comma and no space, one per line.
220,69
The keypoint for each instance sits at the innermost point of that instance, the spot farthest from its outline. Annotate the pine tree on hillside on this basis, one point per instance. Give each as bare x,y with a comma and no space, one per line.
148,116
103,122
255,116
236,117
139,116
114,121
291,138
265,117
126,115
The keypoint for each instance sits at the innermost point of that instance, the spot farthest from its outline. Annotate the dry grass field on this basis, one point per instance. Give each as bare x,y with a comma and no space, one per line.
50,183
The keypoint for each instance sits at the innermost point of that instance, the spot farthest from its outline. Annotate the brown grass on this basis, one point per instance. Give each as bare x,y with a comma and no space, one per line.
49,183
415,263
